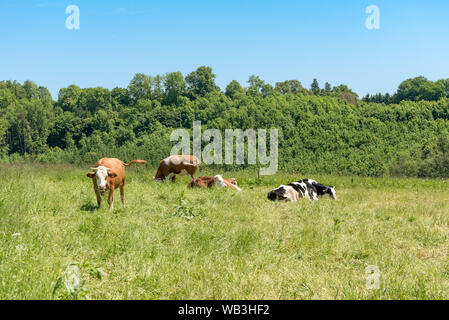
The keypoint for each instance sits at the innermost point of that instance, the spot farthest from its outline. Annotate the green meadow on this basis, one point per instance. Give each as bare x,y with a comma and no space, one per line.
170,242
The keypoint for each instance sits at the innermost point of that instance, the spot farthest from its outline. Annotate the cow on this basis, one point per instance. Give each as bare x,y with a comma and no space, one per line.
176,164
317,189
202,182
284,193
109,174
306,188
218,181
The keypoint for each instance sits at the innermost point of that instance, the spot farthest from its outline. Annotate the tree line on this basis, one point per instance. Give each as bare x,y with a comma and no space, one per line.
416,89
322,130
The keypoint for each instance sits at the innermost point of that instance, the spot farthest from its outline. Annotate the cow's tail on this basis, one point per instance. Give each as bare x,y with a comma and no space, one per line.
135,161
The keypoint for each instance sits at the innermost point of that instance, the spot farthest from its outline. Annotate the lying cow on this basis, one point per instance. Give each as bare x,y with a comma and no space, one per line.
284,193
177,164
202,182
316,189
109,174
306,188
218,181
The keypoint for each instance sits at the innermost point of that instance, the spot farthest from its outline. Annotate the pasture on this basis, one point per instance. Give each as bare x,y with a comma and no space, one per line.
171,242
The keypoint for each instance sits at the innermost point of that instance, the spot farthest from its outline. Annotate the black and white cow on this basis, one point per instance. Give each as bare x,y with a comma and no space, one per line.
306,188
316,189
284,193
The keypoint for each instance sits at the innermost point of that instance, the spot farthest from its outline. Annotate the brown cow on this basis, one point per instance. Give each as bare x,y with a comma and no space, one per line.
202,182
177,164
109,174
218,181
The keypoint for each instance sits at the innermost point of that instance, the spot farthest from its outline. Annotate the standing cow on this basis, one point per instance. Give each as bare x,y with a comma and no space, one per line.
177,164
109,174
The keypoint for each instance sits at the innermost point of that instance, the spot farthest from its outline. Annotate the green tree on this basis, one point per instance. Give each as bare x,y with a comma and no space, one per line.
92,100
233,89
175,87
65,125
16,88
44,94
201,82
290,86
120,97
257,86
420,88
444,84
315,87
29,127
31,90
68,98
140,87
6,98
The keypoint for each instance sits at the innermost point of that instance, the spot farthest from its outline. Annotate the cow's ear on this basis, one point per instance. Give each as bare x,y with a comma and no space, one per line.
91,174
112,174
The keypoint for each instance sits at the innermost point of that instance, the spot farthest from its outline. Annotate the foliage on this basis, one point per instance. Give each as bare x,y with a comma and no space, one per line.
325,130
415,89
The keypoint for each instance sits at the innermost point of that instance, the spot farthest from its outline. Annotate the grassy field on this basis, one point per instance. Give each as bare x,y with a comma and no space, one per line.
171,242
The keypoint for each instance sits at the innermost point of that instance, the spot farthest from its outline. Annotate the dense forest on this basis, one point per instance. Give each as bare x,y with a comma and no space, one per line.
321,129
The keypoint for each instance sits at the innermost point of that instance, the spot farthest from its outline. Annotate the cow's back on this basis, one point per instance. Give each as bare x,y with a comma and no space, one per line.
177,164
177,160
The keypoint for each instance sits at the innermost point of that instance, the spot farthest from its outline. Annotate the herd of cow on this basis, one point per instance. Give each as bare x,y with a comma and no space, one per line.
109,175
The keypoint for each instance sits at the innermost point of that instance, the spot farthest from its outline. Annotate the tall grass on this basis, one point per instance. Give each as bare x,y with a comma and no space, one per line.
171,242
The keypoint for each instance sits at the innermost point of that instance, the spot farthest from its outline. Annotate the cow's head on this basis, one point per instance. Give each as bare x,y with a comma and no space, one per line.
103,176
159,177
219,181
277,194
331,192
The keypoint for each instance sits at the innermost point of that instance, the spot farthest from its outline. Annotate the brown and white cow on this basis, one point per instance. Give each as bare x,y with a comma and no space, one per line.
109,174
218,181
176,164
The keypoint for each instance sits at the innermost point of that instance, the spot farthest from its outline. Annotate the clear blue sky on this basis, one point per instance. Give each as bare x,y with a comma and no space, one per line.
277,40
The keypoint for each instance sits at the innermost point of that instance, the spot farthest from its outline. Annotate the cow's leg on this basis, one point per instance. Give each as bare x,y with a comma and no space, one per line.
97,194
167,178
122,193
111,199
